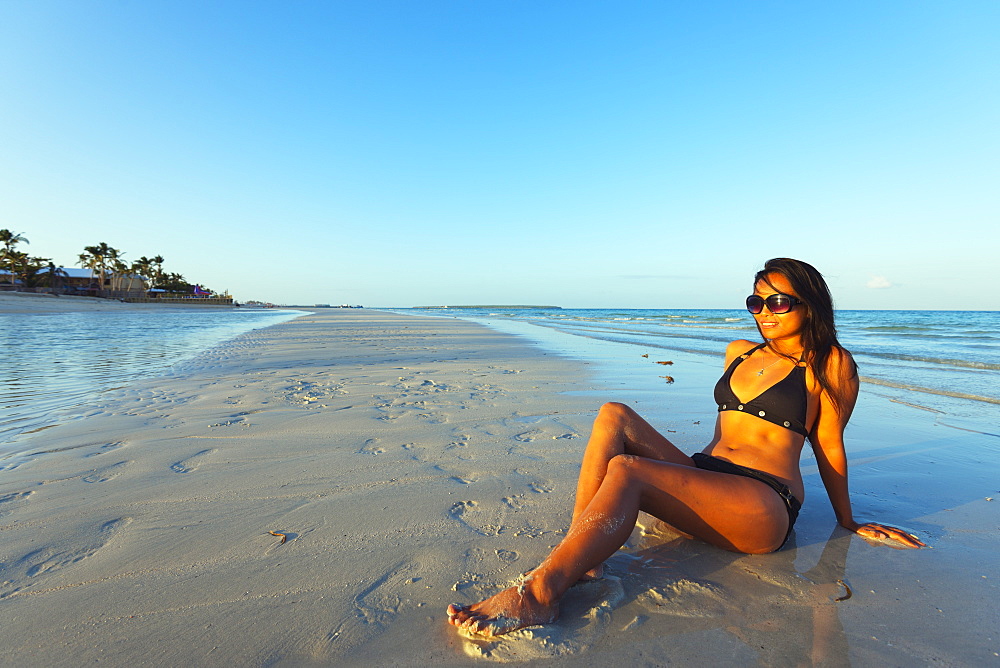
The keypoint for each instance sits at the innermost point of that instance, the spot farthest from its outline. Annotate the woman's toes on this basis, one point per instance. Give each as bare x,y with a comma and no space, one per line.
473,623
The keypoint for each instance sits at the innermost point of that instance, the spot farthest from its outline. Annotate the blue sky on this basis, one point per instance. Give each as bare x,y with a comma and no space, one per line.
583,154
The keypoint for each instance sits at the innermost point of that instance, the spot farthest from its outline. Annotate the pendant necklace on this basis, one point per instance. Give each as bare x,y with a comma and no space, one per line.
764,368
780,357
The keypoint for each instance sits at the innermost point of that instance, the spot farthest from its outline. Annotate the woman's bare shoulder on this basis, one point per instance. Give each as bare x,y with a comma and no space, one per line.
738,347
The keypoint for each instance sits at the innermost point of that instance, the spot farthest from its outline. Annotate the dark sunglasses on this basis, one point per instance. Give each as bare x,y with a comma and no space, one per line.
777,303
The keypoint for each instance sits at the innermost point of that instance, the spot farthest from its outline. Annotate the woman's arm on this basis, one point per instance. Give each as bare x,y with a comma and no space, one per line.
827,438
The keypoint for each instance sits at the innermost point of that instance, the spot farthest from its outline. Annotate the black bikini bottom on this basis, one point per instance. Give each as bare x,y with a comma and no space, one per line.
710,463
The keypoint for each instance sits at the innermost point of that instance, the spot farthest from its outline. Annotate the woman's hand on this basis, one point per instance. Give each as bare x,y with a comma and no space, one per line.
884,532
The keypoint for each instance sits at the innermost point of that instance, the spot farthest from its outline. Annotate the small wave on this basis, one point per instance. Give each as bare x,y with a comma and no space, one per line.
897,328
928,390
964,364
927,336
705,326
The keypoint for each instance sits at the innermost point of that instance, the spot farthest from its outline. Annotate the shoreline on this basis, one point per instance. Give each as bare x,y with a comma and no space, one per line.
413,462
31,302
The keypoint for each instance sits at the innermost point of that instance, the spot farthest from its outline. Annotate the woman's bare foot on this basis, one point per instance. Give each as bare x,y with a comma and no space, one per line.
511,609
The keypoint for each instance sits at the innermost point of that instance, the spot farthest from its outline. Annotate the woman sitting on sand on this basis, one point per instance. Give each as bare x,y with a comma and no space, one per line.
802,383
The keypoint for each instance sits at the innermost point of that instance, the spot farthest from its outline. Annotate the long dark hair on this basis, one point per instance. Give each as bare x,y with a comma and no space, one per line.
819,333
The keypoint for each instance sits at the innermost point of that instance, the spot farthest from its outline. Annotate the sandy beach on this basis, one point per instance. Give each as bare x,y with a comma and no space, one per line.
319,491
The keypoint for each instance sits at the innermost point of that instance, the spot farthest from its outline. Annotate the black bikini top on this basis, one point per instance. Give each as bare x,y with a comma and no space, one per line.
783,404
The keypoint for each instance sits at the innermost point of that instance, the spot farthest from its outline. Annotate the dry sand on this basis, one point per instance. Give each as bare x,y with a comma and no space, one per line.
413,462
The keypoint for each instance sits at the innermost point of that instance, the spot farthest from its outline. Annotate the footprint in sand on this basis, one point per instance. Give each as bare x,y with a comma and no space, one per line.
483,523
514,502
191,463
236,421
540,487
310,394
415,451
51,558
486,392
459,508
376,606
380,602
107,447
502,370
105,473
10,502
507,556
434,418
371,447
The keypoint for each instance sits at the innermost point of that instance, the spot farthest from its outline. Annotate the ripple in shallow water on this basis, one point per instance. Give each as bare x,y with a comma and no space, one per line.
55,362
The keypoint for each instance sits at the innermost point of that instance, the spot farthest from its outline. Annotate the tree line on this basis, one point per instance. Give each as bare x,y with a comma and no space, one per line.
107,266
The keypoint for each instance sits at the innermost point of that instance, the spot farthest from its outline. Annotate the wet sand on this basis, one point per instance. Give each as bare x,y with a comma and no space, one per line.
413,462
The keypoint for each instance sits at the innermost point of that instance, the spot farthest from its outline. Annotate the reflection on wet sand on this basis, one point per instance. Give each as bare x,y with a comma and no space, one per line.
763,609
784,615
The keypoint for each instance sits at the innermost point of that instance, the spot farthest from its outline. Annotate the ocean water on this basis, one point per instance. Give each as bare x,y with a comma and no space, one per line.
944,361
55,363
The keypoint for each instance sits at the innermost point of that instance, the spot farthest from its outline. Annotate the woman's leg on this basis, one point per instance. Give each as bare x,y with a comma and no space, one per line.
619,430
732,512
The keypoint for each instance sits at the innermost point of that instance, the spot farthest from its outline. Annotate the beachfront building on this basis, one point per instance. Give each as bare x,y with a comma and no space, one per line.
75,282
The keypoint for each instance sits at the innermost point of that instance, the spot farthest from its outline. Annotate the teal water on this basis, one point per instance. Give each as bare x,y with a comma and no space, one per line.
54,363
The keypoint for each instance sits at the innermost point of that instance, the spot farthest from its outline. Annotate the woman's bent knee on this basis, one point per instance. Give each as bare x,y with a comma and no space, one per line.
615,412
622,466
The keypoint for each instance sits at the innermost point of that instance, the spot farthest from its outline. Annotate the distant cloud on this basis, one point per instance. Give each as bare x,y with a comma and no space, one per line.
879,283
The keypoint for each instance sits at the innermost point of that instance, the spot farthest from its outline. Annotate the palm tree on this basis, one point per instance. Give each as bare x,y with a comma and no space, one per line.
16,263
9,240
54,276
143,268
174,283
95,263
117,268
96,258
157,266
31,269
